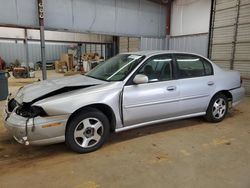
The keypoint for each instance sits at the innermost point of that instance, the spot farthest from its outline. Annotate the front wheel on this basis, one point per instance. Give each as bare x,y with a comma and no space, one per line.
87,131
217,108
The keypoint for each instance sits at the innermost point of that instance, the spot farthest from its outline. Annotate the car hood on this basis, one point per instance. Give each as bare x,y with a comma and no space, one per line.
43,89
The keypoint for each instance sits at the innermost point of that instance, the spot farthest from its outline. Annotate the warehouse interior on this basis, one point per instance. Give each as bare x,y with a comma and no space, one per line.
48,39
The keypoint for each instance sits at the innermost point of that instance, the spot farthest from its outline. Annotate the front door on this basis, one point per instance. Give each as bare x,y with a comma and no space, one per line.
158,99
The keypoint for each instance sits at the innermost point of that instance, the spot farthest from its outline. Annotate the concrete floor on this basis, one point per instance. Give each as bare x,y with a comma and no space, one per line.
188,153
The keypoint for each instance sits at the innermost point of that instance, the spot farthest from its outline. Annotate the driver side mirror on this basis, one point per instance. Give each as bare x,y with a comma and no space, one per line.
140,79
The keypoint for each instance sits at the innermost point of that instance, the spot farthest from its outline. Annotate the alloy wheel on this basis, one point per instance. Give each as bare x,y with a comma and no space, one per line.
88,132
219,108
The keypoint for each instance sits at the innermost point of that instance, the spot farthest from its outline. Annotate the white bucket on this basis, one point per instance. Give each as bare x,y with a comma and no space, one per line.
32,74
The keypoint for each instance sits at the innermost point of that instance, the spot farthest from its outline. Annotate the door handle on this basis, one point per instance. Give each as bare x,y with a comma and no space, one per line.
210,83
171,88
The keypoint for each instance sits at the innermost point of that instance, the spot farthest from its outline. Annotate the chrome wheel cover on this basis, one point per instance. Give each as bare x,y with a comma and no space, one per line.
219,108
88,132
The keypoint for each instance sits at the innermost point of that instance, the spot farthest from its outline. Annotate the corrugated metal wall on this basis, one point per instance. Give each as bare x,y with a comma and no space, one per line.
153,43
95,48
123,44
190,43
121,17
59,36
12,51
129,44
230,37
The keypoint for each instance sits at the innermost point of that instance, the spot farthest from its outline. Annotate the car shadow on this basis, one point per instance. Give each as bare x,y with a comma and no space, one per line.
154,129
12,153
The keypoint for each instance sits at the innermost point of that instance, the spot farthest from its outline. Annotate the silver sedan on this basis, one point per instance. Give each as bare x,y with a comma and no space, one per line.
127,91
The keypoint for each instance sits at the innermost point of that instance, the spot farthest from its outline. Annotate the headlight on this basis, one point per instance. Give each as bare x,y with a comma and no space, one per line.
12,104
30,111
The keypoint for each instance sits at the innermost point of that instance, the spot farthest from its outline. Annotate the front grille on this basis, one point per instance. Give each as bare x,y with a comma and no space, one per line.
12,105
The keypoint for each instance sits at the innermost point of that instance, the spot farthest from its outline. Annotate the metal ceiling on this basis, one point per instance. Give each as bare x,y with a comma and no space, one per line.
161,1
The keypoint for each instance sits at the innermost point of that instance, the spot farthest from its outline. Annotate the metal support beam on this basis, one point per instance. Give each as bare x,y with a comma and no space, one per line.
211,29
106,52
168,17
167,46
79,52
235,35
26,49
115,45
101,50
128,49
42,38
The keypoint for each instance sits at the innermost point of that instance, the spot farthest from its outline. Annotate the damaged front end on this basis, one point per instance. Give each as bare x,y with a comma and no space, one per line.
30,111
30,124
25,109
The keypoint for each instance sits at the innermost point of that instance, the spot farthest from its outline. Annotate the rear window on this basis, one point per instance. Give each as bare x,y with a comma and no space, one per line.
192,66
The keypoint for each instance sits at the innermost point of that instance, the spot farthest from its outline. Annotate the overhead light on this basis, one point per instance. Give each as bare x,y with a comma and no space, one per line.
187,60
161,60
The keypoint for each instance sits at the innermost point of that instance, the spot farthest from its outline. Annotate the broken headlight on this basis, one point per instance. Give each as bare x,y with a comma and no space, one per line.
30,111
12,105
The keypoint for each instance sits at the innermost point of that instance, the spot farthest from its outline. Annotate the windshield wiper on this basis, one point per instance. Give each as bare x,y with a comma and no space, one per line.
95,78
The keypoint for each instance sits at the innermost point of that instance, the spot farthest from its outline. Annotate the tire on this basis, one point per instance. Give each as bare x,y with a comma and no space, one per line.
217,108
87,131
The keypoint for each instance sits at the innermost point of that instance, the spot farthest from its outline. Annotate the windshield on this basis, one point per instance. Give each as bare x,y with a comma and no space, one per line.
115,68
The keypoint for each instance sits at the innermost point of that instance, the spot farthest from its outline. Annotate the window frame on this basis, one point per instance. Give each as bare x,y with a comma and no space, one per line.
173,66
203,60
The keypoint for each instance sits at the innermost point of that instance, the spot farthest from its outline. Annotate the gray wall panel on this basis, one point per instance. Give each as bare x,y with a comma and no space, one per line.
12,51
129,44
113,17
19,12
192,43
153,43
128,16
26,12
8,12
58,13
152,19
101,16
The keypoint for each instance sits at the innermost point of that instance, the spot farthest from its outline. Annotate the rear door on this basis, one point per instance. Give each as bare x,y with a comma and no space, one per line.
155,100
196,83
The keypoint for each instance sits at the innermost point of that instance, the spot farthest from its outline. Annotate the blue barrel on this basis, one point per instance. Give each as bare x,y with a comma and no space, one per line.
3,85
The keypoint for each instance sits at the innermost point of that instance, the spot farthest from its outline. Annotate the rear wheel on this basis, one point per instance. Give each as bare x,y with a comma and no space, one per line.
87,131
217,108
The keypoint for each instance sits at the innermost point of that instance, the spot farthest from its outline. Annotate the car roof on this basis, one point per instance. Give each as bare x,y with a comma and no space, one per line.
158,52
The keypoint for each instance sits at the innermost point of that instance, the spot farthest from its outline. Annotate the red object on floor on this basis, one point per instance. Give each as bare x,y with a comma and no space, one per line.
2,64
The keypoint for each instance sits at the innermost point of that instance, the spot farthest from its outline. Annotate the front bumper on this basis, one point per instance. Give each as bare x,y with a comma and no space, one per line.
39,130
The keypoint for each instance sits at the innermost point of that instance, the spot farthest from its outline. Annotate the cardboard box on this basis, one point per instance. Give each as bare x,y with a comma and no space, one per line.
68,58
60,66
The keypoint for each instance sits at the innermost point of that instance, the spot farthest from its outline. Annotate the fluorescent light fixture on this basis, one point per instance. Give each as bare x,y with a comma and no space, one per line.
187,60
161,60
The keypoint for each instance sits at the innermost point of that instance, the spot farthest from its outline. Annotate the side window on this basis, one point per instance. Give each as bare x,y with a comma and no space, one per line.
158,68
192,66
208,67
